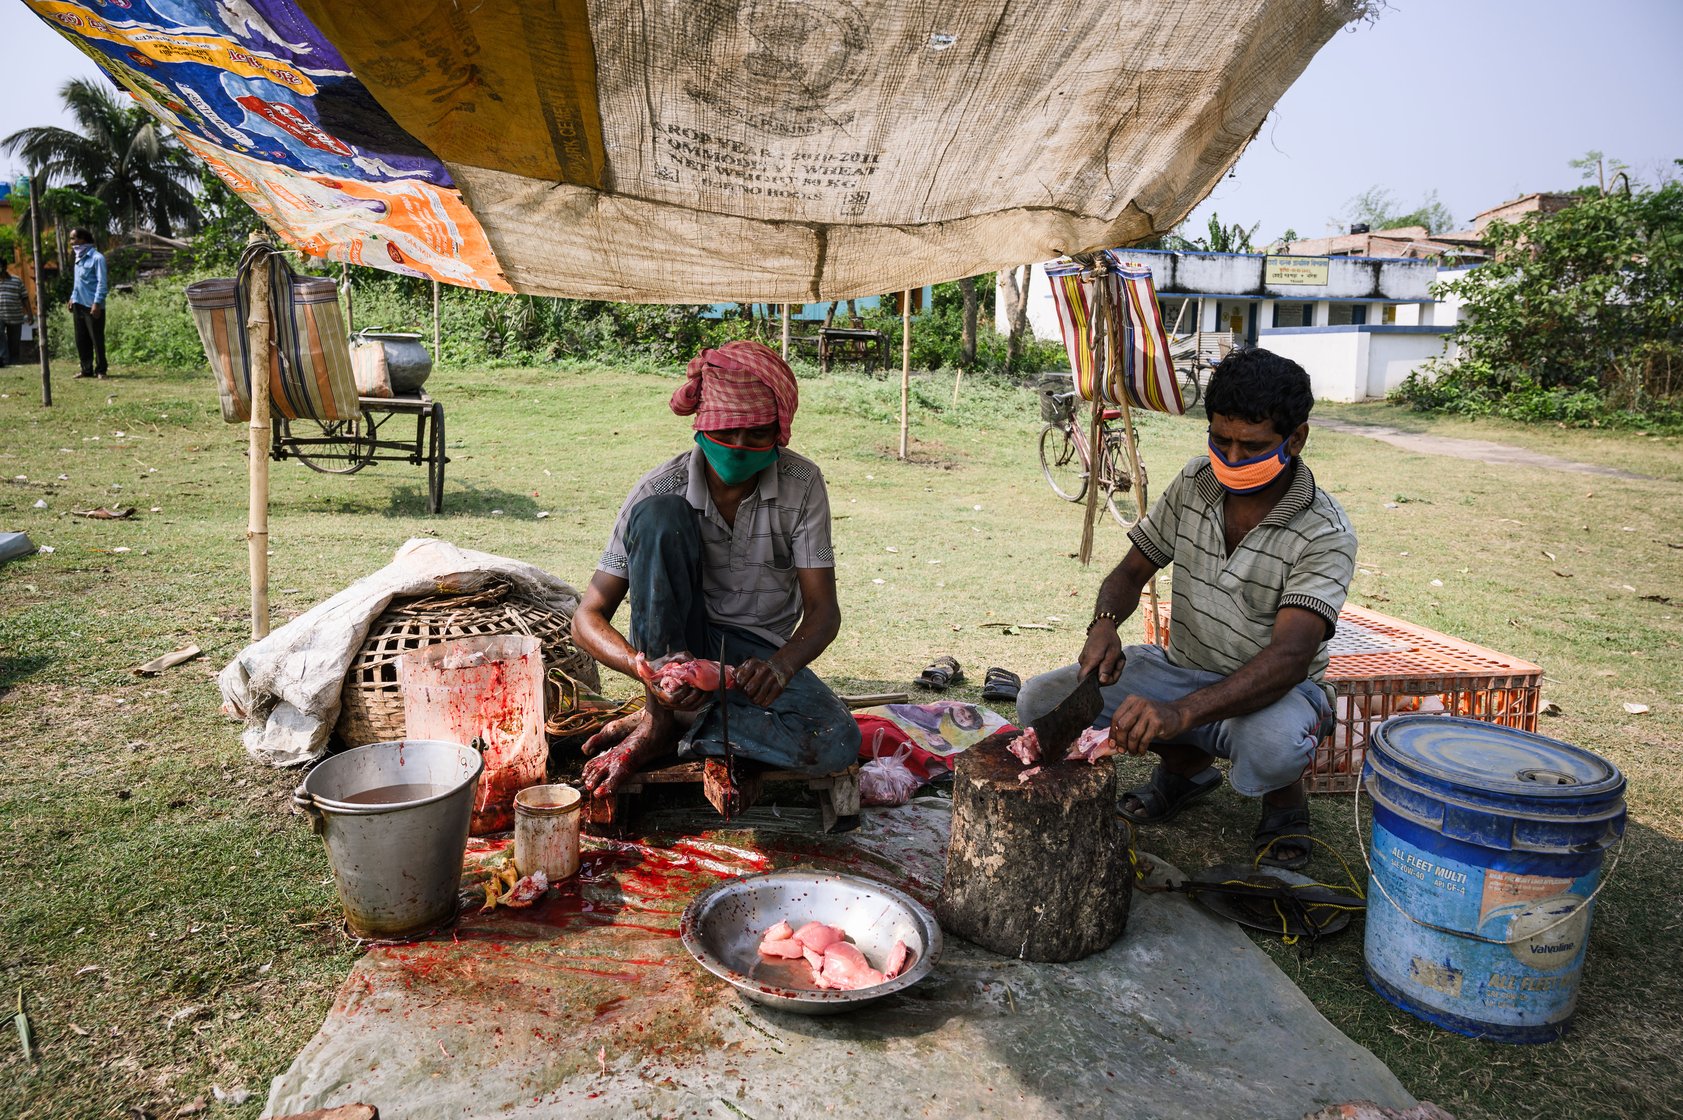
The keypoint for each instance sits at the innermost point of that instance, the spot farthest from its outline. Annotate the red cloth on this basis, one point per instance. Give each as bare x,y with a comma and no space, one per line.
742,384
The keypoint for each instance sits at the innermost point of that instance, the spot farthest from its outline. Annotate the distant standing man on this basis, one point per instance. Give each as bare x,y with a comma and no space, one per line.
14,309
87,303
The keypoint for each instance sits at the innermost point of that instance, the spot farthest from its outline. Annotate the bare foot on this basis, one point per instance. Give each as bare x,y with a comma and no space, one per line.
650,738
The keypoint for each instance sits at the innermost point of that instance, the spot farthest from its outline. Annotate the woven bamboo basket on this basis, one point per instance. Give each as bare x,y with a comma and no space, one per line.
371,704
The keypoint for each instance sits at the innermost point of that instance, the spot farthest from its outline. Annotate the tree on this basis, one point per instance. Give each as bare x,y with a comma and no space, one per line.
118,154
225,222
1377,208
967,336
1579,306
1597,167
1217,239
1016,311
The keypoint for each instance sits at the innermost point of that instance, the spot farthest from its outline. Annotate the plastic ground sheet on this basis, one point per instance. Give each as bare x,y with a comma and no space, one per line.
588,1005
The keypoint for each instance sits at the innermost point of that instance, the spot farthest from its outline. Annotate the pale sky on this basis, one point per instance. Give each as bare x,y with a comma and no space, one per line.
1481,100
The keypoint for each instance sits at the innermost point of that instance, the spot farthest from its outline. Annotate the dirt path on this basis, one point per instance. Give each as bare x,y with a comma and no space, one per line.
1482,450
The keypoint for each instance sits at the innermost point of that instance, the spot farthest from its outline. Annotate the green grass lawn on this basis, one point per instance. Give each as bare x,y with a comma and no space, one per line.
174,928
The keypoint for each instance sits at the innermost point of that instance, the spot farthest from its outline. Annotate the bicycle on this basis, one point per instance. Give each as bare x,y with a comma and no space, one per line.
1066,459
1192,374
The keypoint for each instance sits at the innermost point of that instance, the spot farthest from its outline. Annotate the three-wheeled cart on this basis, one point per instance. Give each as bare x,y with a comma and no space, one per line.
346,446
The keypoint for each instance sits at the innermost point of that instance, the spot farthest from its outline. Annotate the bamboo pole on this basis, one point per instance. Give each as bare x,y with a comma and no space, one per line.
905,372
437,351
36,190
1102,353
785,332
260,334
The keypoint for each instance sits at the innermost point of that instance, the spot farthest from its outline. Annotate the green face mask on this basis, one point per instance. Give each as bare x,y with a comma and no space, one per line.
735,465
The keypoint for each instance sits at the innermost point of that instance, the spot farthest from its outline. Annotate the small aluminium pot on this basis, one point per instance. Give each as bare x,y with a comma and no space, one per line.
407,362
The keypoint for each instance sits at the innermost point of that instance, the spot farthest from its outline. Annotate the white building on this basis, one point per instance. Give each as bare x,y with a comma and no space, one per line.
1358,325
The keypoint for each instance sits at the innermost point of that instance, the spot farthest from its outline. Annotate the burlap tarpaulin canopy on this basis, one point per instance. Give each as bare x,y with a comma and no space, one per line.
697,150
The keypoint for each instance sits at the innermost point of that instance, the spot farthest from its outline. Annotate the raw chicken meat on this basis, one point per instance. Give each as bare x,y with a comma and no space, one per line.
835,963
527,890
818,937
1026,747
896,962
1093,745
786,948
698,673
845,967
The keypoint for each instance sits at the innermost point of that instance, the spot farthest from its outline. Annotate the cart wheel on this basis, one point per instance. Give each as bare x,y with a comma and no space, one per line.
435,462
343,447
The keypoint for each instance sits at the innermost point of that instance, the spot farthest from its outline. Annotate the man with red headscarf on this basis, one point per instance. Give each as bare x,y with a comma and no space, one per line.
725,546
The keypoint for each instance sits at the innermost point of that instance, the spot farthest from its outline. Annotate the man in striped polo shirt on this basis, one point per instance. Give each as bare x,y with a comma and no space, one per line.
728,542
1262,561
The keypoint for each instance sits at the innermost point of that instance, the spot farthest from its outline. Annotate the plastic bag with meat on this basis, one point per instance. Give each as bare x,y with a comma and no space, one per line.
888,781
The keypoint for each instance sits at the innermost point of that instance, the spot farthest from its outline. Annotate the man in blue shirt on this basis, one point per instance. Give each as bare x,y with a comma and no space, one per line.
87,303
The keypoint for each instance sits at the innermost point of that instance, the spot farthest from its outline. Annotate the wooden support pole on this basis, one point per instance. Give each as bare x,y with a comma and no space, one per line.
37,188
260,334
437,351
785,332
345,286
905,372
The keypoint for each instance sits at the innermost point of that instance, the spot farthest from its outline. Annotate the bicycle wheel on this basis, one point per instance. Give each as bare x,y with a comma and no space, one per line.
1117,477
1191,386
343,447
1060,462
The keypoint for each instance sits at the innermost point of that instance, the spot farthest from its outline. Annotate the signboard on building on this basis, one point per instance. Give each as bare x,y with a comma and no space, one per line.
1295,270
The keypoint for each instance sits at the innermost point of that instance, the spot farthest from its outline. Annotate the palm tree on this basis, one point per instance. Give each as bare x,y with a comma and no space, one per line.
119,154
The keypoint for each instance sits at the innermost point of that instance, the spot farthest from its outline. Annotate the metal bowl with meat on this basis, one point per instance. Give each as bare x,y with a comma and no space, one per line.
725,927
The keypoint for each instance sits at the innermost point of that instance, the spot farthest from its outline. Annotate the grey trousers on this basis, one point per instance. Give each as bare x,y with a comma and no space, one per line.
1269,748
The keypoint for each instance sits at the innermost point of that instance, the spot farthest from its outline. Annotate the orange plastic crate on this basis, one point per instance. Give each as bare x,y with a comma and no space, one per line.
1382,666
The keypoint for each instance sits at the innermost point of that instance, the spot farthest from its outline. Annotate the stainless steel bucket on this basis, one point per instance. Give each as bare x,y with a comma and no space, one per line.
394,817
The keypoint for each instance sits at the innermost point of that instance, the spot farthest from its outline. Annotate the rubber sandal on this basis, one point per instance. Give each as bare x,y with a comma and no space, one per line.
1164,795
1001,684
1283,829
941,673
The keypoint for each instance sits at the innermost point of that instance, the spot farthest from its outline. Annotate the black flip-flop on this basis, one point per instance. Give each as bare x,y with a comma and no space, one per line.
1286,828
1164,795
942,673
1001,684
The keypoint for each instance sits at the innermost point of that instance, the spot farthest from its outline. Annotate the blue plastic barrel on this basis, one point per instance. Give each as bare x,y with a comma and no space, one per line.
1487,848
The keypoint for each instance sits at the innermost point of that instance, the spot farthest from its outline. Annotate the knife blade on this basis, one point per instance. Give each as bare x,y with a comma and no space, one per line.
1058,728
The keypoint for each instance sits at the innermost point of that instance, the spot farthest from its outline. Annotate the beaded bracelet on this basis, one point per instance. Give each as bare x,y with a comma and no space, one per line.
1115,619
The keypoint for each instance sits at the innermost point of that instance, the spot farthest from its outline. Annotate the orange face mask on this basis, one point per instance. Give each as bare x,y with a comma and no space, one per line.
1247,476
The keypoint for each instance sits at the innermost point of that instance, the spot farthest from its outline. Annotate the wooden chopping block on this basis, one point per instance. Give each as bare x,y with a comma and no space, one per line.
1036,870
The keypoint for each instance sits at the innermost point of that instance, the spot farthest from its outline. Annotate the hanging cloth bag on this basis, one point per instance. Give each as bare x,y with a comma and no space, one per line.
310,371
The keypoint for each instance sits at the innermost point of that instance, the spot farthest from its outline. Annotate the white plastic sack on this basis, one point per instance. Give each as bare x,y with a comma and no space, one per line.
287,686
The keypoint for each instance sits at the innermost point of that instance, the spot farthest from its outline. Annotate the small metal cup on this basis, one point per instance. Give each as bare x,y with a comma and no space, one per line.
546,831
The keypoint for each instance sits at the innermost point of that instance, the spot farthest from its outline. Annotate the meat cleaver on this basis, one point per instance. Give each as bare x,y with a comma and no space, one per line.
1058,728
